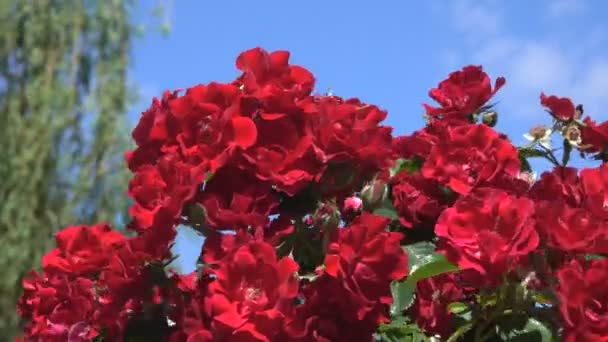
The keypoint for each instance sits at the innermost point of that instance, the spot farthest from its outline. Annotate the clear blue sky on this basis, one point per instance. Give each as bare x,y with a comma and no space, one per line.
389,52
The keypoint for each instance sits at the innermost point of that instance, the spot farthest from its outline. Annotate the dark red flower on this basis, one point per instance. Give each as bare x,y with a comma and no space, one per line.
234,199
251,294
560,108
82,250
581,289
366,258
417,199
326,315
488,230
470,156
430,308
463,93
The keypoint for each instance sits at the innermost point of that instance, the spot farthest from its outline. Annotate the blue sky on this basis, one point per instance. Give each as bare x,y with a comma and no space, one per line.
389,53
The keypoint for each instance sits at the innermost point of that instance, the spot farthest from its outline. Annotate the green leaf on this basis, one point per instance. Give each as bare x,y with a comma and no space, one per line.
403,296
533,331
399,330
387,210
409,165
424,263
531,153
458,308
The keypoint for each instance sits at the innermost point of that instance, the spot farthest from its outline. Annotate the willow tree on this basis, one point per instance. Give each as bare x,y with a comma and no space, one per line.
63,99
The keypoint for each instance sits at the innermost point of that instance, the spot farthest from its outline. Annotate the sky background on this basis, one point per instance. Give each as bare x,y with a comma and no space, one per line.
389,53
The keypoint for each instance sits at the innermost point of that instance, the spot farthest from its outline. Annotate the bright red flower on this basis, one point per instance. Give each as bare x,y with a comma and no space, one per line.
82,250
562,183
153,133
288,160
58,308
160,191
594,182
560,108
430,308
463,93
366,258
251,294
488,230
270,77
595,136
581,289
571,229
470,156
572,210
350,131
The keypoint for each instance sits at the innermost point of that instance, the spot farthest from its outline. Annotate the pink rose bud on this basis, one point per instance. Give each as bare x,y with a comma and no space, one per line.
353,203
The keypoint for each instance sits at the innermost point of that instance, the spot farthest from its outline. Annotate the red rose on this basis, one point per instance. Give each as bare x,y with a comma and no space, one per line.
560,108
488,230
251,294
421,142
326,315
571,229
366,258
417,199
463,93
470,156
350,131
562,183
160,191
82,250
581,289
235,200
594,182
287,159
152,133
594,136
430,308
571,209
270,77
58,308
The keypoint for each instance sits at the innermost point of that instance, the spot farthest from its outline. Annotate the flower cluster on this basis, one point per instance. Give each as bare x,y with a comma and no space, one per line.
320,225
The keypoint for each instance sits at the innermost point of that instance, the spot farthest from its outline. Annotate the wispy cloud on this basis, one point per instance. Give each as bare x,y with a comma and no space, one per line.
537,62
561,8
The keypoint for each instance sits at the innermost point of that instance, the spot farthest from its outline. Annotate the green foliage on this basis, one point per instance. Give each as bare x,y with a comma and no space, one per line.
63,127
424,263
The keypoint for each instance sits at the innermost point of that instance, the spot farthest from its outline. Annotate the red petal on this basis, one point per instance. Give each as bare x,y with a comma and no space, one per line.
245,133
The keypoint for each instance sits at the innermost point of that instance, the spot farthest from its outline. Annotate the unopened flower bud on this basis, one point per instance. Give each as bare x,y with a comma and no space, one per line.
353,203
374,194
490,118
579,112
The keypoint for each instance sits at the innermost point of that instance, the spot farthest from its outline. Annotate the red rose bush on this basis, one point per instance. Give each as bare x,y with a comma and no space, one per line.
320,225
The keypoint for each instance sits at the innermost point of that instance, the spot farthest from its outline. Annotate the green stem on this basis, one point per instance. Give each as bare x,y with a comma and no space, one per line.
460,332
